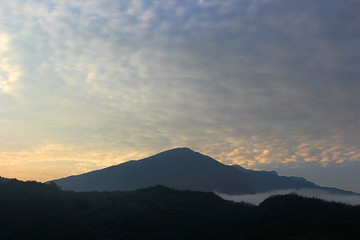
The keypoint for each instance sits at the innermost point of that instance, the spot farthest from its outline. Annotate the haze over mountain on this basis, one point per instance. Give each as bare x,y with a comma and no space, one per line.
184,169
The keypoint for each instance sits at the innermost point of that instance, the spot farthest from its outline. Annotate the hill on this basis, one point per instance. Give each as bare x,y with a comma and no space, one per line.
31,210
184,169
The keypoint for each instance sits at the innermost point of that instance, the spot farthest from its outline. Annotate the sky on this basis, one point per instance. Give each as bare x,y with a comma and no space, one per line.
266,84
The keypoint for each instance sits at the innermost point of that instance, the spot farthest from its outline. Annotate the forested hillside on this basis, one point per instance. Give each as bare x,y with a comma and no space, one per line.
32,210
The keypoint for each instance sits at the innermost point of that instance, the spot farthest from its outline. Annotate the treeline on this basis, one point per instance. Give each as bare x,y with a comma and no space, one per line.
32,210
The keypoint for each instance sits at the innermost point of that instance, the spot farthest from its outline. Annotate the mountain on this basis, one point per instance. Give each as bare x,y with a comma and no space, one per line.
32,210
183,169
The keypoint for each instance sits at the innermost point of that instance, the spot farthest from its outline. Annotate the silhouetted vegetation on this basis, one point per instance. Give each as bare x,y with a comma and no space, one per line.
32,210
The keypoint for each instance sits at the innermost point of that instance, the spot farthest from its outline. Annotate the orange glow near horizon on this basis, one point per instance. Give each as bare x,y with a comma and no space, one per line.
56,161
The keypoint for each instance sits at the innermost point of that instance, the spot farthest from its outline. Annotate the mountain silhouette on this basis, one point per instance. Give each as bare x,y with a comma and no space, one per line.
184,169
33,210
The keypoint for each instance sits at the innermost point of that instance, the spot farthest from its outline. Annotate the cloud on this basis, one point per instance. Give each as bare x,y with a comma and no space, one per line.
9,72
56,161
257,198
257,83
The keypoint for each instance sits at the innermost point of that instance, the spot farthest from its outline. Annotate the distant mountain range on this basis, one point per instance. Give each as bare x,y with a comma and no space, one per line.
185,169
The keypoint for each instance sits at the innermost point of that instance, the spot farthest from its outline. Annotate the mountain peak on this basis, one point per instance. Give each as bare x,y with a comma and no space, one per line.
181,168
179,149
181,155
175,153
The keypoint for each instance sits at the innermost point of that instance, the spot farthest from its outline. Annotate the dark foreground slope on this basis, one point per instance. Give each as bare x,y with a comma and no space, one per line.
31,210
183,169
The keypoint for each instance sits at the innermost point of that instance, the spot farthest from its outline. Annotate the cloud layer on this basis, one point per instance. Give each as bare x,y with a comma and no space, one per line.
264,84
258,198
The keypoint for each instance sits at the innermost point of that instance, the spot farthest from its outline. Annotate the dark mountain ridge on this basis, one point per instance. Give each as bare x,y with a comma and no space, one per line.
31,210
184,169
179,168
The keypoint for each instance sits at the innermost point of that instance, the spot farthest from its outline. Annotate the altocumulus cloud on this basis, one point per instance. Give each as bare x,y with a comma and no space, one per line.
264,84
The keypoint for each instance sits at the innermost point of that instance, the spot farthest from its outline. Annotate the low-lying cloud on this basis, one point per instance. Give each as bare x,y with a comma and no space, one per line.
257,198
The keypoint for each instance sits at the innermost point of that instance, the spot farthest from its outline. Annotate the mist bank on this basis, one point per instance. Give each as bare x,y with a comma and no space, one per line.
257,198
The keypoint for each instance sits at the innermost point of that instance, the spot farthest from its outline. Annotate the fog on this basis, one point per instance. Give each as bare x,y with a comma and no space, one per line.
257,198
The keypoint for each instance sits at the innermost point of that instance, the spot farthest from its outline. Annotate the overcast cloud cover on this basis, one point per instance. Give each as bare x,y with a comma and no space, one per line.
264,84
